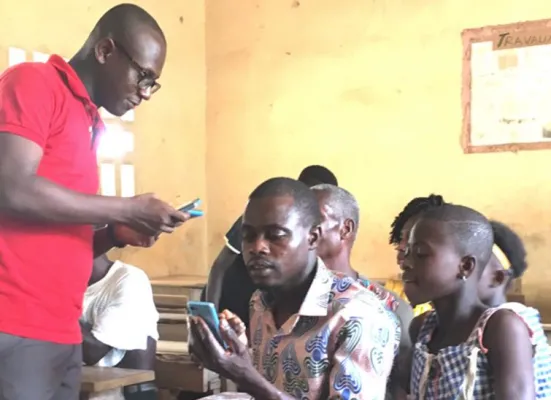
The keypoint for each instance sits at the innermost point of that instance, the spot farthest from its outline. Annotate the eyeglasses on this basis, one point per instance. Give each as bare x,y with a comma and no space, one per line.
145,82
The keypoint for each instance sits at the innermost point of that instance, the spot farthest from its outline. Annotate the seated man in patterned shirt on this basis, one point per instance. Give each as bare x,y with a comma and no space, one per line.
340,222
313,334
229,285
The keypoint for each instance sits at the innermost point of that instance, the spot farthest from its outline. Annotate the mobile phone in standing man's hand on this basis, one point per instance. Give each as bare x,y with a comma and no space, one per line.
190,208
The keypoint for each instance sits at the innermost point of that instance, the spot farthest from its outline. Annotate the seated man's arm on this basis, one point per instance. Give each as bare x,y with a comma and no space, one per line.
92,349
128,322
363,359
404,312
400,372
224,260
141,359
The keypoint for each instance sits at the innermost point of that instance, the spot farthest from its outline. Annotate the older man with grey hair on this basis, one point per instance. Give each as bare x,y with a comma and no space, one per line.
340,223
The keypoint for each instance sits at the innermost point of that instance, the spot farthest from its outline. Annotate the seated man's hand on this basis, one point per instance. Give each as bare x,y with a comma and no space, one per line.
128,236
234,363
236,324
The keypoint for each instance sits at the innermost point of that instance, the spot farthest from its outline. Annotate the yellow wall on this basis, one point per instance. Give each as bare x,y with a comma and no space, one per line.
170,130
372,90
369,88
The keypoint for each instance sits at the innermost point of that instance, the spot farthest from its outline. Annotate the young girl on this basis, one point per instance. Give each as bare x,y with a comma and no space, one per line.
399,233
508,262
463,349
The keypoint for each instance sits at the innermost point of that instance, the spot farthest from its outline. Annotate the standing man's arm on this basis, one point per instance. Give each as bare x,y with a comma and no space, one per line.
225,259
24,131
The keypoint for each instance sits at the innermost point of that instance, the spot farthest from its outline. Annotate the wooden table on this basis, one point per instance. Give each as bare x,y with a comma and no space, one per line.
99,381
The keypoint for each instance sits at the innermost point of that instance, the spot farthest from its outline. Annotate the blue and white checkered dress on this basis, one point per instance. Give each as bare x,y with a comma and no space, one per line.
462,372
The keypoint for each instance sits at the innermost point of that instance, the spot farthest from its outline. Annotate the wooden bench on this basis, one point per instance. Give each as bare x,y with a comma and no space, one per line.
547,330
100,382
175,370
179,372
171,295
170,301
190,286
168,317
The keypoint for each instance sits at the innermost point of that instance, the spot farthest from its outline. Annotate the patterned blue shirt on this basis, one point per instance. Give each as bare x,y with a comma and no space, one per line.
340,345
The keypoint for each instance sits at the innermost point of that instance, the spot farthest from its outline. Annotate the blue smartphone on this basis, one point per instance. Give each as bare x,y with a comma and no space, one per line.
196,213
208,313
190,208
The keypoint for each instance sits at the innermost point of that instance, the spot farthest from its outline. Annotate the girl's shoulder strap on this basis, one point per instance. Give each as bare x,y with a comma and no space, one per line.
476,337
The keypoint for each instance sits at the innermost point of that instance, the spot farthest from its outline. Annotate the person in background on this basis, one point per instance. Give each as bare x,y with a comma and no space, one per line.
49,132
508,262
339,227
229,285
400,228
313,334
119,321
463,348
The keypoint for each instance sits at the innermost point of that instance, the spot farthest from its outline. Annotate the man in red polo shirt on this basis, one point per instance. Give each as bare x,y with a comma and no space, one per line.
49,127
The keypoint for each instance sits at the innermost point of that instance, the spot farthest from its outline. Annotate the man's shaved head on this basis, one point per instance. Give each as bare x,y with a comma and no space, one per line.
124,20
123,57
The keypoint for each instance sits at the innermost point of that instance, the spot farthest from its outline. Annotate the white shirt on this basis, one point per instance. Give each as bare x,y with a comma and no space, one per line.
122,312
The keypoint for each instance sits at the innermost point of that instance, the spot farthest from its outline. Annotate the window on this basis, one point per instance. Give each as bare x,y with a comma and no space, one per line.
40,57
115,148
16,56
114,152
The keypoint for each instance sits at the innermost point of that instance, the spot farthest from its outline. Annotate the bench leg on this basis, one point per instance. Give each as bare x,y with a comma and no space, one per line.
115,394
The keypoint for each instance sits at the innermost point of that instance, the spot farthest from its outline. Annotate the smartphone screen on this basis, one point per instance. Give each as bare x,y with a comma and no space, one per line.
190,206
207,312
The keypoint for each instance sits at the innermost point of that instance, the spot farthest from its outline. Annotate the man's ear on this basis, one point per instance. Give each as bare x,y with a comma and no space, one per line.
348,229
103,49
314,237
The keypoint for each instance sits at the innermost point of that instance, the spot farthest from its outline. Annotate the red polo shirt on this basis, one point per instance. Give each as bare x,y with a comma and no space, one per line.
44,268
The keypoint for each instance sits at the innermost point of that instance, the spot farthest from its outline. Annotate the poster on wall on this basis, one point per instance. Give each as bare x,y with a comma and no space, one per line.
506,93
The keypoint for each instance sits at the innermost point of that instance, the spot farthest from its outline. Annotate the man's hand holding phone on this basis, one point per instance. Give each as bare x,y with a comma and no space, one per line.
150,216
